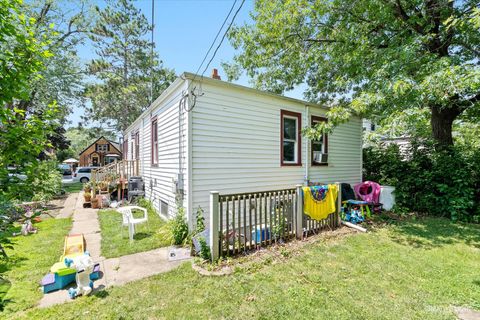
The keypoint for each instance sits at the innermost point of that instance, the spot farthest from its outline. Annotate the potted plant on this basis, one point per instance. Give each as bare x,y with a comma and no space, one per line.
87,196
103,186
87,187
95,203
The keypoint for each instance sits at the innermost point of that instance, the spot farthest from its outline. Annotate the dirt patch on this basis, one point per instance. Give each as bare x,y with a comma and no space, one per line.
276,253
464,313
53,207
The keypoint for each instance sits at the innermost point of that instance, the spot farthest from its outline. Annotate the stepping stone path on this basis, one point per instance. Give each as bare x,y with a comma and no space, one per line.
115,271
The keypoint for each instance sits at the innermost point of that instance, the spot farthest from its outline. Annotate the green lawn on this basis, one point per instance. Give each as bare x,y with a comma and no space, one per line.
30,260
416,270
72,187
115,241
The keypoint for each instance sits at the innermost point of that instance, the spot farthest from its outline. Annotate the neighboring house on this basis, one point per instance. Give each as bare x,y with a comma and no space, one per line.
100,153
232,139
369,128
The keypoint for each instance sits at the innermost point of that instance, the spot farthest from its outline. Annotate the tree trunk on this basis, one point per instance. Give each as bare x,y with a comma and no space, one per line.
442,122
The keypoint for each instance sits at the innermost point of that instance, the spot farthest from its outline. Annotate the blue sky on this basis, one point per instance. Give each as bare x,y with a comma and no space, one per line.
184,30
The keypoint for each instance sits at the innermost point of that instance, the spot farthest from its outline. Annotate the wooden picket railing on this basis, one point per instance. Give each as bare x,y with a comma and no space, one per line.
116,171
245,221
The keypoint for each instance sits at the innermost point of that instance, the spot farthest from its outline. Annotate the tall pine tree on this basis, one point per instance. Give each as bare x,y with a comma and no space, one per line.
124,68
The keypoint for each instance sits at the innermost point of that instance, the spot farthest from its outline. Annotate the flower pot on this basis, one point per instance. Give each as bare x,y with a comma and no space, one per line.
87,197
95,203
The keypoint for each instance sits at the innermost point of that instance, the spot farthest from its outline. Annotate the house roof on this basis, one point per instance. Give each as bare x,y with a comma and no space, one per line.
114,144
192,77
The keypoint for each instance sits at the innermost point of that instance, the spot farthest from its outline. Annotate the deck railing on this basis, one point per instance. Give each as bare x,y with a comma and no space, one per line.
116,171
246,221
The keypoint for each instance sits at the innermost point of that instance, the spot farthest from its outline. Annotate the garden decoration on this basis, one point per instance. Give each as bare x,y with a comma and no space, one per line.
27,226
62,273
84,267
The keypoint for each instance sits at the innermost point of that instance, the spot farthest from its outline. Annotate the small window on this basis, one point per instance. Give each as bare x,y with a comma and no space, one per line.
154,135
291,124
102,147
125,149
320,146
137,145
85,170
163,207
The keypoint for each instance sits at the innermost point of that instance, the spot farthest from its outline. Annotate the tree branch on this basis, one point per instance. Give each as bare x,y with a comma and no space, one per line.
402,15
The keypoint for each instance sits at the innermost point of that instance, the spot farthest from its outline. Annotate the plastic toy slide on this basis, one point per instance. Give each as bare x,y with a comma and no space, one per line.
62,275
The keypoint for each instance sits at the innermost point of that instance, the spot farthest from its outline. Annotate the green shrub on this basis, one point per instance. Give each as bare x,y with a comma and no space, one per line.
204,249
45,181
440,183
179,227
200,220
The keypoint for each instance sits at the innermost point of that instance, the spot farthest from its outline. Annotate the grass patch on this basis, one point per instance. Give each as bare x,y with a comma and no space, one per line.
414,270
115,242
30,259
72,187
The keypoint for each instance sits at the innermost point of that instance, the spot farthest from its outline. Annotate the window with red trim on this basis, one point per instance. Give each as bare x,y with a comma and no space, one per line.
154,135
319,147
290,138
137,145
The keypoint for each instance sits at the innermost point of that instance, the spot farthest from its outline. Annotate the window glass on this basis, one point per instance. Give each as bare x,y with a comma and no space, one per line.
319,147
289,128
288,151
290,144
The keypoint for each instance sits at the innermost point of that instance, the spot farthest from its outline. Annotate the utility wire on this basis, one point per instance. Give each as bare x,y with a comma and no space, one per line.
223,38
191,92
215,40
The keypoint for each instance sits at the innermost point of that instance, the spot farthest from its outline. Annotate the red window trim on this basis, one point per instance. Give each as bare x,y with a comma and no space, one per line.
125,149
137,145
153,121
297,115
313,120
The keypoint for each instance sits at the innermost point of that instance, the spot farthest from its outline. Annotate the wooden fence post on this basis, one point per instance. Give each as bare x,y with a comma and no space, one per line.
214,225
299,213
339,204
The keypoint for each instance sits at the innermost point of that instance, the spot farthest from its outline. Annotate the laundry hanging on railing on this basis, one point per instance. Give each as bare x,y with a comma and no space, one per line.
319,201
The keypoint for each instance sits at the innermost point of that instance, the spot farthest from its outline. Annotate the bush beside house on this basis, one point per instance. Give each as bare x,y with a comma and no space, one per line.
442,183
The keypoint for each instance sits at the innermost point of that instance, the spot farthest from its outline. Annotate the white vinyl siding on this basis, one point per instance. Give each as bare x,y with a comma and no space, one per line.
230,142
236,145
159,179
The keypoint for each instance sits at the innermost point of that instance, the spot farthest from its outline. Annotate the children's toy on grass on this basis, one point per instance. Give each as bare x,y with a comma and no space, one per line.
355,211
27,225
65,271
84,268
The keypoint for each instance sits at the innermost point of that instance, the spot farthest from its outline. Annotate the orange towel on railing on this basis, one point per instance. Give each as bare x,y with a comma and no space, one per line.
319,210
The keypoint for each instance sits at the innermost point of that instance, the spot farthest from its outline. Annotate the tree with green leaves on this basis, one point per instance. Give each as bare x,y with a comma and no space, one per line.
381,59
23,134
124,68
66,25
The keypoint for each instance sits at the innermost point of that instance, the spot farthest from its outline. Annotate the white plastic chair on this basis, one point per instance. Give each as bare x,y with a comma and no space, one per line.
128,219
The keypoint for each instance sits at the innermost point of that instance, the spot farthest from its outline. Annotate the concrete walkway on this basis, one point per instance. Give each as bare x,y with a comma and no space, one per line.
70,205
115,271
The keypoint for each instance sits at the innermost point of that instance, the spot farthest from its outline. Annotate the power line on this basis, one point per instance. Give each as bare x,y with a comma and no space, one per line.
216,37
224,35
191,92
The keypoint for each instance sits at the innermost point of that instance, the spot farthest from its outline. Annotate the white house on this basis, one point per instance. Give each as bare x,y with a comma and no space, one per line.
233,139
